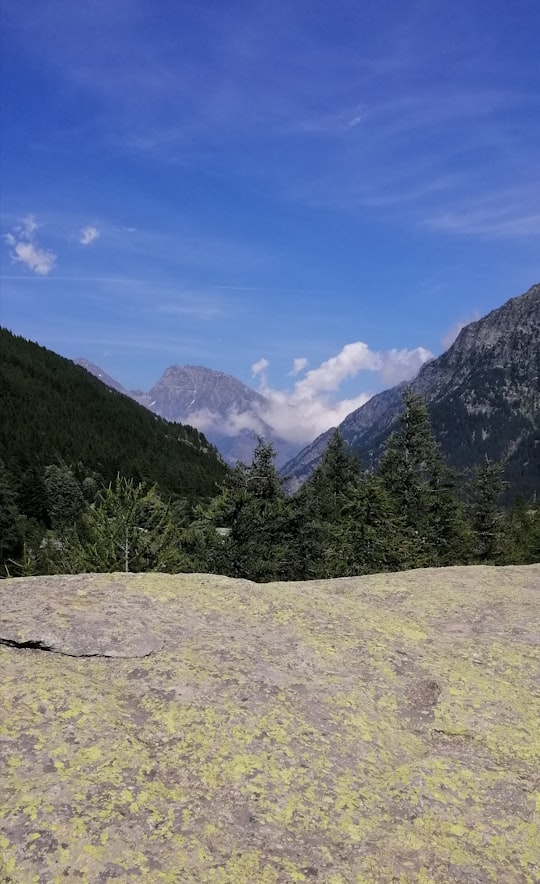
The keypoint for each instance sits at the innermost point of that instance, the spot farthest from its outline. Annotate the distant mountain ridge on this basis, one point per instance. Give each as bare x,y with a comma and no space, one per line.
483,397
231,414
102,375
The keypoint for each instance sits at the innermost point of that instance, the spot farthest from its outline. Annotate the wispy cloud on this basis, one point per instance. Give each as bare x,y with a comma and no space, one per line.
258,367
88,234
488,223
198,309
299,365
24,248
400,136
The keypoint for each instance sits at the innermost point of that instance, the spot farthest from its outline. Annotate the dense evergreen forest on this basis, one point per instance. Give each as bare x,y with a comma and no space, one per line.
53,412
412,513
64,436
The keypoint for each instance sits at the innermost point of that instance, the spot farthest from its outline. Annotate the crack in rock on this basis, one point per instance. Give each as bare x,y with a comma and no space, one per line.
39,645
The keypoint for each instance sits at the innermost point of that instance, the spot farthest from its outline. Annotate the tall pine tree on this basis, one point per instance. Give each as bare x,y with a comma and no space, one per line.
324,542
252,510
486,515
429,528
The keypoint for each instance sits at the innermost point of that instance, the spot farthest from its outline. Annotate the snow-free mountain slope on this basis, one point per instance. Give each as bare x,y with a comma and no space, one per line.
483,396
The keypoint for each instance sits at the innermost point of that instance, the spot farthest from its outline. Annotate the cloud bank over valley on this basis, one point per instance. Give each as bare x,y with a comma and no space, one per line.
314,404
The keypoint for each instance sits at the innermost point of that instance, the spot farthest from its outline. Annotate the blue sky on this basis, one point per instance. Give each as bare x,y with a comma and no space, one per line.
322,191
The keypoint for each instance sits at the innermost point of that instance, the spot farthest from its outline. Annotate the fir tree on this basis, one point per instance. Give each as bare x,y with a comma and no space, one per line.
429,527
521,530
65,500
323,540
252,510
130,528
374,525
486,515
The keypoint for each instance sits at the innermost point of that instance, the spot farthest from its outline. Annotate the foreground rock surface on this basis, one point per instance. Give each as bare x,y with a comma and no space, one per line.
170,728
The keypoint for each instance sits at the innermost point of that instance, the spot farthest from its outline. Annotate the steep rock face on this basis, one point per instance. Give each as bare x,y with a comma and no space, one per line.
193,388
483,395
193,727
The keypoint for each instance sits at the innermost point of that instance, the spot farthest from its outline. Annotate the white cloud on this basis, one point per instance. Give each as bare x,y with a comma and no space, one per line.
231,425
40,261
312,406
25,250
88,234
298,365
300,419
402,365
331,373
28,227
259,367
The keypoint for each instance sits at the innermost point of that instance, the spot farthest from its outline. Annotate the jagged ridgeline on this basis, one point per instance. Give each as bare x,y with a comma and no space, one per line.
483,399
53,411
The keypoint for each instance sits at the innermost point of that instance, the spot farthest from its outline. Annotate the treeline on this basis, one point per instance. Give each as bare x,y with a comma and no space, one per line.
412,513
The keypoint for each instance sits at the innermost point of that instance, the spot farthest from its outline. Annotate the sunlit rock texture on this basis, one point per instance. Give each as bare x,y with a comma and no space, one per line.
160,728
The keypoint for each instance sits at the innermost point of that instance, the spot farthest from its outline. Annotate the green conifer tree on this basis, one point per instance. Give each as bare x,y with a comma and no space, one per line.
251,511
521,530
130,528
323,543
486,515
429,528
65,500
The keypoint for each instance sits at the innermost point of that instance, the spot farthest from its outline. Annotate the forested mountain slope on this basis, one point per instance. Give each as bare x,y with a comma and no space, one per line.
53,411
231,414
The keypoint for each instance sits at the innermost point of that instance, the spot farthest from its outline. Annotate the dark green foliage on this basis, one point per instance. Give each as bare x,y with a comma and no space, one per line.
64,495
11,533
429,526
451,535
375,525
486,515
322,542
483,399
252,510
130,528
521,534
32,494
55,412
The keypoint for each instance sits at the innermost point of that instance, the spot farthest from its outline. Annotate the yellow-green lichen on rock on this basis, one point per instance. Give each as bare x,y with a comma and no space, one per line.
171,728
